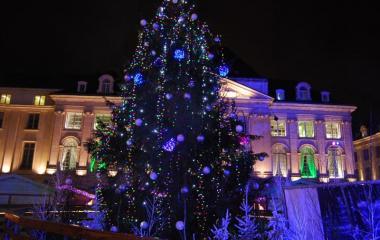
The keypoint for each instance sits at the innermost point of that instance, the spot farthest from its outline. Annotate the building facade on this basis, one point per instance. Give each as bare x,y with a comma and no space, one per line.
367,156
43,129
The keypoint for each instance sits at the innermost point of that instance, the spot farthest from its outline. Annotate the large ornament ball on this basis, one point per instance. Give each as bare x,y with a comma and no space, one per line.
143,22
168,96
206,170
144,225
255,186
217,39
180,225
211,56
114,229
227,172
187,96
191,84
139,122
194,16
175,1
153,53
68,181
200,138
180,19
129,142
239,128
153,176
127,77
261,157
184,190
156,26
180,138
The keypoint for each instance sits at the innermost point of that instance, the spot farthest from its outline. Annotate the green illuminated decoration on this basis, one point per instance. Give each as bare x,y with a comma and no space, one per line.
307,163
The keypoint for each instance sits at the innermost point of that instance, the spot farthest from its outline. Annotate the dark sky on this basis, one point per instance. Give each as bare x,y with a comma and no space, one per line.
332,44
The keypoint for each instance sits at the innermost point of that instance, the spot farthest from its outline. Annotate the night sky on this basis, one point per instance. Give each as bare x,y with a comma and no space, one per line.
334,45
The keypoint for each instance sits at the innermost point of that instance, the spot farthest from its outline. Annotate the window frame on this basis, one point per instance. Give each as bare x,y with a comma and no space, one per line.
35,121
304,122
338,134
27,165
66,123
5,98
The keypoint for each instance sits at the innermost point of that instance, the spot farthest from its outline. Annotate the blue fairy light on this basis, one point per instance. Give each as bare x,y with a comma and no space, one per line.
138,79
224,70
179,54
169,145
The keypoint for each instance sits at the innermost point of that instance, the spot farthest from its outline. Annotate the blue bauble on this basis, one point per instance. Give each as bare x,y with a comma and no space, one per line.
158,62
224,70
179,54
138,79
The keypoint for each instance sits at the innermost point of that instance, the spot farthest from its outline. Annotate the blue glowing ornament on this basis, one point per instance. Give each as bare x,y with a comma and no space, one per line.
156,26
169,146
153,176
200,138
194,17
187,96
206,170
184,190
239,128
139,122
224,70
217,39
129,142
191,84
153,53
144,225
211,56
113,229
227,172
143,22
180,138
180,225
127,77
179,54
168,96
138,79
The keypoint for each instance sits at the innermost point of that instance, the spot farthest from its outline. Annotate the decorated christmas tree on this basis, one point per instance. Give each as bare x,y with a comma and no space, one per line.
175,155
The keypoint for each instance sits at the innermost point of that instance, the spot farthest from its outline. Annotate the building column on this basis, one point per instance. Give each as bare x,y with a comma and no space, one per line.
56,141
349,162
293,145
321,160
88,127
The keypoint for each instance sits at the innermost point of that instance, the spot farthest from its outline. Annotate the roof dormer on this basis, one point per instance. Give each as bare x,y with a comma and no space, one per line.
325,96
82,87
106,83
303,91
280,94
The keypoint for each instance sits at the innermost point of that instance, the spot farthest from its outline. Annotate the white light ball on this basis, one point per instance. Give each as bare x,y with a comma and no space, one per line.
144,225
153,176
206,170
180,225
200,138
146,44
239,128
168,96
143,22
194,16
114,229
180,138
139,122
153,53
129,142
180,19
187,96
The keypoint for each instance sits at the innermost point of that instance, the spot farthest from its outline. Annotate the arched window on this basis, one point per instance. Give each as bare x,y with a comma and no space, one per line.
69,154
279,160
106,86
307,163
335,162
303,91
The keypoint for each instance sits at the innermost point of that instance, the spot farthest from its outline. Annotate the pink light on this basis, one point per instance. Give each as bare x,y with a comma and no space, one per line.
77,191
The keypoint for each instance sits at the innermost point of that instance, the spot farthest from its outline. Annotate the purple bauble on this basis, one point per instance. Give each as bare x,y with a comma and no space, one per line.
139,122
180,138
200,138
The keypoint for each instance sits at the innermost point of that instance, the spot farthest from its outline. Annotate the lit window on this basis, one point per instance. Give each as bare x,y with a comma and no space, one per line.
73,120
102,118
69,154
5,98
333,130
306,129
278,128
279,160
335,161
27,156
33,121
39,100
307,163
280,94
1,119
